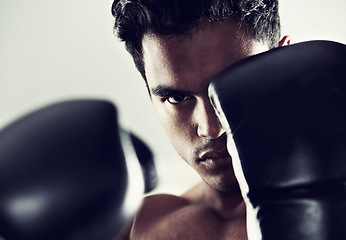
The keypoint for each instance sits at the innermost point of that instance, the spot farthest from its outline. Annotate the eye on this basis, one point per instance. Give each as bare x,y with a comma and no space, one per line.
177,99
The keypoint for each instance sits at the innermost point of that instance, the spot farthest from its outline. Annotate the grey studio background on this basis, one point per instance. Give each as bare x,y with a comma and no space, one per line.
56,50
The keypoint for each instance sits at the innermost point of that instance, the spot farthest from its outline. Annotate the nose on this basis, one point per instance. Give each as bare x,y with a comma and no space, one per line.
208,124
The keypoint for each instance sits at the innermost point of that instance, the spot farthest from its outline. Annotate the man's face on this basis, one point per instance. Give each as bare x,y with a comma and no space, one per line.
178,71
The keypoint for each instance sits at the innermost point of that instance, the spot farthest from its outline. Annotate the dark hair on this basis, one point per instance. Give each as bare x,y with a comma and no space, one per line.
134,18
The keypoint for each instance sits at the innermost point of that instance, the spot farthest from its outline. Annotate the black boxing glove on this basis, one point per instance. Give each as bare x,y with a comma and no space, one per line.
285,114
68,171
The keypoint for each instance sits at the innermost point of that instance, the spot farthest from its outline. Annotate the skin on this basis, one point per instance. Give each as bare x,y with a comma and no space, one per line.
179,70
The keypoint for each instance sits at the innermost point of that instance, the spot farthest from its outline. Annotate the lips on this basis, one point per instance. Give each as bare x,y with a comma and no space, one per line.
216,159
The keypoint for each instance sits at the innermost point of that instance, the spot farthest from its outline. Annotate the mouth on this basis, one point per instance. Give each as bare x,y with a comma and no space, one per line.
213,159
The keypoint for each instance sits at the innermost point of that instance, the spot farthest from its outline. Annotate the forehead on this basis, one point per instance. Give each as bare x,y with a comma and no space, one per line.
194,58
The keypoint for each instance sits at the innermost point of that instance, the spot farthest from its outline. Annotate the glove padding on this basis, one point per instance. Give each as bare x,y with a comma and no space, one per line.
285,113
68,171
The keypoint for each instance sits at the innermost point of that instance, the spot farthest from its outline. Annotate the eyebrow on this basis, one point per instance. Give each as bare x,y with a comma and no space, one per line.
163,91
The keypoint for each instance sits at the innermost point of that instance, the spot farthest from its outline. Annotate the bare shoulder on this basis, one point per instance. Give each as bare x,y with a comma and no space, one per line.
186,217
165,216
155,210
165,200
157,206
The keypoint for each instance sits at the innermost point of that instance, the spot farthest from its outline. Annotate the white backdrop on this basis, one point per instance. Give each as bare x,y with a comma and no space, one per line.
56,50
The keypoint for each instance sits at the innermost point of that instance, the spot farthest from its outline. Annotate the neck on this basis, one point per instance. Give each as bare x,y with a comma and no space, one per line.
228,204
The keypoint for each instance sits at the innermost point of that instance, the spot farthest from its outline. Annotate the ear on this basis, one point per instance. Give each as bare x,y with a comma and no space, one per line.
285,41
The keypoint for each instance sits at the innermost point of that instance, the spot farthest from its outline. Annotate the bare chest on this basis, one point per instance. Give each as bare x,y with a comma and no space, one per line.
196,224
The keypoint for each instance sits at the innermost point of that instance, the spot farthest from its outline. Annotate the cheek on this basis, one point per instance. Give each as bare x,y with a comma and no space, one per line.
177,124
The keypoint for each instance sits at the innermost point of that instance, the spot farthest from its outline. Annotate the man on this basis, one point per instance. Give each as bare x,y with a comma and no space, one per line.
178,46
